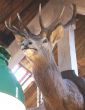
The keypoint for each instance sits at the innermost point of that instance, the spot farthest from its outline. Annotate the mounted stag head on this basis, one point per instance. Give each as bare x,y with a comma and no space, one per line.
58,93
43,41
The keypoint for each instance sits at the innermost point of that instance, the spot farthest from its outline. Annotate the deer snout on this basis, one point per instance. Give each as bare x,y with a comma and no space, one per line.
26,44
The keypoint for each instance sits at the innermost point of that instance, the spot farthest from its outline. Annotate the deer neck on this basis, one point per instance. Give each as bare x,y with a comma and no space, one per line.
45,65
48,79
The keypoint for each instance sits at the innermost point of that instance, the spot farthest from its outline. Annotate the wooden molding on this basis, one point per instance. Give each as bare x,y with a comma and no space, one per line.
81,10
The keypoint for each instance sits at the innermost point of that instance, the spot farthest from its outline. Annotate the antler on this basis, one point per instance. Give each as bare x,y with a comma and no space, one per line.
24,31
56,22
21,30
40,18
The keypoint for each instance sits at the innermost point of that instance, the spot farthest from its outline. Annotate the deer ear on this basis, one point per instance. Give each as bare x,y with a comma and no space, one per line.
56,35
19,38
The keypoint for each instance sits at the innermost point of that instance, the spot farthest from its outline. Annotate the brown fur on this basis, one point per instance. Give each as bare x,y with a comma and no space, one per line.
58,94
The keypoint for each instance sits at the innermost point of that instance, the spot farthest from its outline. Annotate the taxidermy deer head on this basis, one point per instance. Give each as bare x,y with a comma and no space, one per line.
55,90
45,41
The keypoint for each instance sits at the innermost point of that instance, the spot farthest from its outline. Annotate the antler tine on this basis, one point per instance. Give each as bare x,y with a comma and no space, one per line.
57,20
14,29
23,26
8,25
40,18
19,18
72,20
21,30
61,13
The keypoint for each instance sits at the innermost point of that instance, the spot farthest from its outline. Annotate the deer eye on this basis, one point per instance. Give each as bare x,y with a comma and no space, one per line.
45,41
30,43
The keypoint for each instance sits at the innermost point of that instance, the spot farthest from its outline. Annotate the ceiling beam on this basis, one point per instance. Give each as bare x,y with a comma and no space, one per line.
80,4
81,10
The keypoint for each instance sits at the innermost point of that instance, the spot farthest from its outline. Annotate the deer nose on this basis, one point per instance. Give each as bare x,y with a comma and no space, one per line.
25,44
30,42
